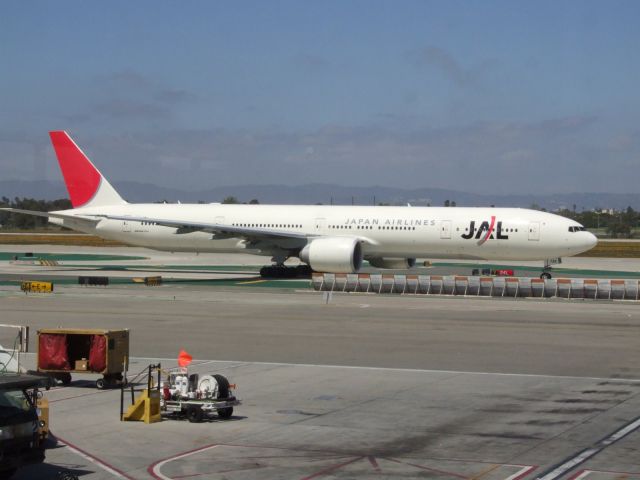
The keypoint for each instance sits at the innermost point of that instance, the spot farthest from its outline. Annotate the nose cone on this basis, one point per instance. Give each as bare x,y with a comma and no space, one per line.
590,240
582,242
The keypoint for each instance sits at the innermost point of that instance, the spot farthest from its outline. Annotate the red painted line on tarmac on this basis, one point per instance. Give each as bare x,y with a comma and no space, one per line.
525,473
154,468
374,463
585,472
457,475
270,447
331,468
151,469
92,458
579,473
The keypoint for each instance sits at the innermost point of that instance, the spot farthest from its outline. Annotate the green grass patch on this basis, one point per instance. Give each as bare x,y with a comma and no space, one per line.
614,249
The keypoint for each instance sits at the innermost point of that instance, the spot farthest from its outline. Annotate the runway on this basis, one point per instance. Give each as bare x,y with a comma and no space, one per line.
365,386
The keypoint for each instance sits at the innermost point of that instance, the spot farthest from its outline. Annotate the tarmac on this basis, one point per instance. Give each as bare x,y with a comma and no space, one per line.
364,386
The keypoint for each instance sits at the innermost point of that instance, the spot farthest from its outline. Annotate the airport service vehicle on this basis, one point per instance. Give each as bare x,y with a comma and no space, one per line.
333,239
62,351
21,430
197,397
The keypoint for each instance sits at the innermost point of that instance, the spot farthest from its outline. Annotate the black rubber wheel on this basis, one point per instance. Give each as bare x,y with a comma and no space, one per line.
225,413
223,386
65,378
101,383
545,276
194,414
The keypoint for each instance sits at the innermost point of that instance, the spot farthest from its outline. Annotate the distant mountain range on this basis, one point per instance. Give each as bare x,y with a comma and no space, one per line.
338,195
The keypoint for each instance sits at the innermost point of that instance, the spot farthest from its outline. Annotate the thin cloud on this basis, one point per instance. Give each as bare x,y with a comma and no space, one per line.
130,109
130,95
174,96
546,156
310,63
128,78
436,58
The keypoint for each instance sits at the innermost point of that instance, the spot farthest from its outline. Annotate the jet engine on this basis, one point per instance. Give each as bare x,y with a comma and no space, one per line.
333,255
396,263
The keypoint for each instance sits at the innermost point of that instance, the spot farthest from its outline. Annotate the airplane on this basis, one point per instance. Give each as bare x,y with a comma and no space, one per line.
333,239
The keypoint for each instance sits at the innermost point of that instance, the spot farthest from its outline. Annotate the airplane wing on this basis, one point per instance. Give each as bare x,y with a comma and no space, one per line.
251,234
220,231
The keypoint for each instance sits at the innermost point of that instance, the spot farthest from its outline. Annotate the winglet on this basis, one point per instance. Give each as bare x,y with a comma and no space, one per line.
85,184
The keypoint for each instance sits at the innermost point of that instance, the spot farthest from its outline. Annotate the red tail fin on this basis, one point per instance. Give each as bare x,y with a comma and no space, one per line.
85,183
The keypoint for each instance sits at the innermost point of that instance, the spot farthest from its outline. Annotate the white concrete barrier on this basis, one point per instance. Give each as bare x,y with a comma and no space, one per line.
480,286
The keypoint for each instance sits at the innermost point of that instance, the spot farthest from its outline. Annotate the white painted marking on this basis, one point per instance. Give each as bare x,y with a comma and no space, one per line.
158,466
389,369
623,432
571,463
587,454
95,461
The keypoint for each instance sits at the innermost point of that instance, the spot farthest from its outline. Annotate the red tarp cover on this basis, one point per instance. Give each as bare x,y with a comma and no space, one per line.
98,353
52,352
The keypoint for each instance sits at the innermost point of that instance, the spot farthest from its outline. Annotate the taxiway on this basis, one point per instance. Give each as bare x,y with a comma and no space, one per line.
364,386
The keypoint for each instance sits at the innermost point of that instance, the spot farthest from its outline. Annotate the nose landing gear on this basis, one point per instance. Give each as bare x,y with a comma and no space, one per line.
546,271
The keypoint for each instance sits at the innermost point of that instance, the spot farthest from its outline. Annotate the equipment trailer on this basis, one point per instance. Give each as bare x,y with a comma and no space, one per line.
197,397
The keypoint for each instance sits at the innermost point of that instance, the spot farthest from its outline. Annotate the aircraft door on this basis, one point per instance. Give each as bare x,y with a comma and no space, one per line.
321,224
445,229
534,231
219,221
126,226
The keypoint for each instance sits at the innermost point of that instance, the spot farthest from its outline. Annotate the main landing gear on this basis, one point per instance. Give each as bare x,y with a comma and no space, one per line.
280,271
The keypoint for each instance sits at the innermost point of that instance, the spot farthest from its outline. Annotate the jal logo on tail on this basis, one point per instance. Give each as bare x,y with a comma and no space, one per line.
485,231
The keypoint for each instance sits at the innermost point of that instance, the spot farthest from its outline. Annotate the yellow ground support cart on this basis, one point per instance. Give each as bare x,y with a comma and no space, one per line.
62,351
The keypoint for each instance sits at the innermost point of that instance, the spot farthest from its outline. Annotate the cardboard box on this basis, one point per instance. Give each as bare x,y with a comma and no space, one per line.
81,364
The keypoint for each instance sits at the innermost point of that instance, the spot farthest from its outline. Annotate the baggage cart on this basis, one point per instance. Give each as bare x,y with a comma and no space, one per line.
63,351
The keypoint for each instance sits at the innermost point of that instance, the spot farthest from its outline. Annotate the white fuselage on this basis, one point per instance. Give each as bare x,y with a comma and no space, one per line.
397,232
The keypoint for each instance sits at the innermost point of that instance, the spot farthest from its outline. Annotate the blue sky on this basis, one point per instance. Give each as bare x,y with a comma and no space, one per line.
481,96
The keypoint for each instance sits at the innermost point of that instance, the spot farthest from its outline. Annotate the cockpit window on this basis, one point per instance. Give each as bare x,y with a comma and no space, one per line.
577,229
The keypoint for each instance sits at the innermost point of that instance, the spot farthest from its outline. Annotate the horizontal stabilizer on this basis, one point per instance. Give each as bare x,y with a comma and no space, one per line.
62,216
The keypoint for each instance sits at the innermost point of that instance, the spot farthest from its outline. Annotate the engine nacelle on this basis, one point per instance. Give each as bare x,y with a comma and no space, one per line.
396,263
333,255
